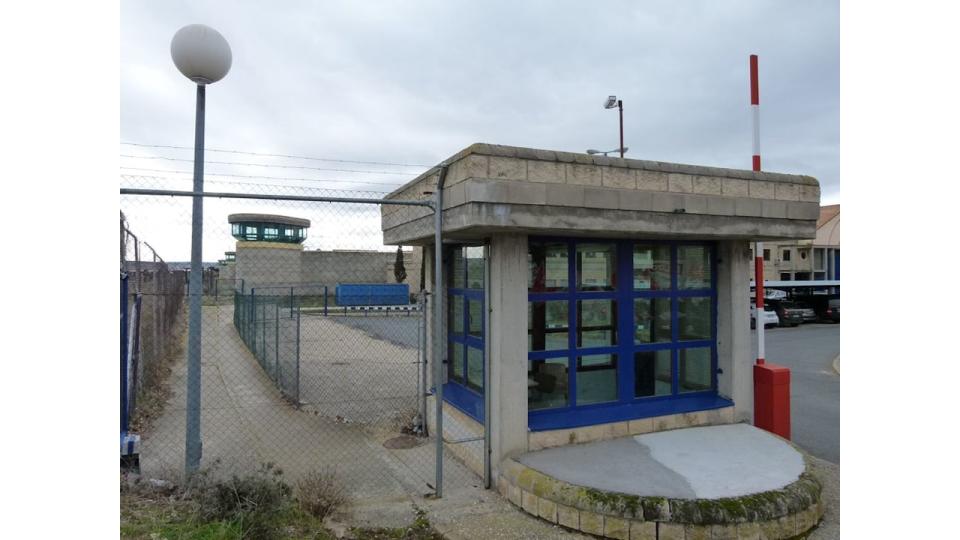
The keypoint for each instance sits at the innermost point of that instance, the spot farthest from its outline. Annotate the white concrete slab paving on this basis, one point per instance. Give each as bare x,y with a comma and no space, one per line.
725,461
704,462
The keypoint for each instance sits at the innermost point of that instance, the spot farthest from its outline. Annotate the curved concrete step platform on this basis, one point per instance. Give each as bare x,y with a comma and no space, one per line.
726,481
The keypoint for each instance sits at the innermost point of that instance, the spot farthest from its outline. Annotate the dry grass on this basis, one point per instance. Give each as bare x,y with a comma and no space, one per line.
156,390
320,493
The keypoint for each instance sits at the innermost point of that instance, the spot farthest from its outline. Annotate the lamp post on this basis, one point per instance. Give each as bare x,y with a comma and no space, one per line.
203,56
612,102
622,150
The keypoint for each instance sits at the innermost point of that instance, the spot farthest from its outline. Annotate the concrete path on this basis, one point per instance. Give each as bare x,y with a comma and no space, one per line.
246,422
708,462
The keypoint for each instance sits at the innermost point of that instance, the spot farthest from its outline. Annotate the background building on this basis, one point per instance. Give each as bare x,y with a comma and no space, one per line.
270,254
804,260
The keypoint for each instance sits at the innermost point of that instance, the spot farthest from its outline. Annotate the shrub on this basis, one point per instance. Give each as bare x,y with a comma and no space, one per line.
255,502
321,493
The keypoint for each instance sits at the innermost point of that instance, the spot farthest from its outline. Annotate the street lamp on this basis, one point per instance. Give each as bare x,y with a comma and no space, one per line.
622,150
204,57
612,102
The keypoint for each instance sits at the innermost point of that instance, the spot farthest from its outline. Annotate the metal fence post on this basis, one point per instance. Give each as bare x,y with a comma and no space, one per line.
251,322
422,350
276,343
298,356
438,324
261,321
124,323
291,302
324,300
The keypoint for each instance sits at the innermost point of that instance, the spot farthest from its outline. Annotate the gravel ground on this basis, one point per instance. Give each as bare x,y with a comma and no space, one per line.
829,475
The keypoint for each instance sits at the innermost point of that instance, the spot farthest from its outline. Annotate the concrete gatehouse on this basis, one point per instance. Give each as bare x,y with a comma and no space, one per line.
596,320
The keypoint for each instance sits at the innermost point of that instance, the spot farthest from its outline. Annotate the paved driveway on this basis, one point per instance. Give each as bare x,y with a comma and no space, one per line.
808,350
245,421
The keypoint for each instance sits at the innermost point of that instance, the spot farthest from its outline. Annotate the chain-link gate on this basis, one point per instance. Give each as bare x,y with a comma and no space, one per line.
294,370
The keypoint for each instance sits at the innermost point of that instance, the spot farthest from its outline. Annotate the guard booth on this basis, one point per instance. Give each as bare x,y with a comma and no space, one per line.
588,297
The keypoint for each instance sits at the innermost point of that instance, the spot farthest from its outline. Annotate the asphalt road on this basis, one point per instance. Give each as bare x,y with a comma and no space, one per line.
397,328
808,350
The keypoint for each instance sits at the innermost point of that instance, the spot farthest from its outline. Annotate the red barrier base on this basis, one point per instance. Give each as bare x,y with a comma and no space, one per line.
771,398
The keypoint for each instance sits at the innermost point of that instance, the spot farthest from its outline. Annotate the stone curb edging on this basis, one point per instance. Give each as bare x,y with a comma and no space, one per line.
779,514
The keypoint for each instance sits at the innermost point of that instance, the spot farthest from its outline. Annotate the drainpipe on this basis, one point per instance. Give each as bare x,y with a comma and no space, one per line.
438,322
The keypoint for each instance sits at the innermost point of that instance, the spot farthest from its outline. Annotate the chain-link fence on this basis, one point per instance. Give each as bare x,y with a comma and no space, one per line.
294,370
155,297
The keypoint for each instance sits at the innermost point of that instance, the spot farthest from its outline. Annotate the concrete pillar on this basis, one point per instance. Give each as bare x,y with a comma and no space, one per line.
507,355
431,287
734,347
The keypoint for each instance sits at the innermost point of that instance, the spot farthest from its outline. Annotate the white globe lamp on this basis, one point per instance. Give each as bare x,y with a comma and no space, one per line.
201,53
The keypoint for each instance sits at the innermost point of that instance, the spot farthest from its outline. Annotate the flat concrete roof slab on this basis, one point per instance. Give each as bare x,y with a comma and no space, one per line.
708,462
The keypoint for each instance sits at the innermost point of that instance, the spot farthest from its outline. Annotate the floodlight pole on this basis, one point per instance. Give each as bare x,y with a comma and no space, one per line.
620,106
194,448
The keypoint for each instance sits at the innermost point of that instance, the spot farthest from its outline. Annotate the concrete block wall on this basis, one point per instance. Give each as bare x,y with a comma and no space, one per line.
773,205
263,264
333,267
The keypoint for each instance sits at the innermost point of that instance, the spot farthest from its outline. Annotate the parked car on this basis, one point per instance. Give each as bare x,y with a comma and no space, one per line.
788,313
809,315
832,313
769,316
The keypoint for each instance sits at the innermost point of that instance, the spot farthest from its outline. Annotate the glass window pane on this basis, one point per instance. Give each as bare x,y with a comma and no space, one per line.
548,267
693,318
475,315
458,277
456,362
547,386
596,323
693,267
474,256
596,379
596,267
456,315
475,368
651,267
651,318
653,373
695,369
547,325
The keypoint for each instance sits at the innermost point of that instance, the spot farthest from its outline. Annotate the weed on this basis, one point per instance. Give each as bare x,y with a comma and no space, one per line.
320,493
256,503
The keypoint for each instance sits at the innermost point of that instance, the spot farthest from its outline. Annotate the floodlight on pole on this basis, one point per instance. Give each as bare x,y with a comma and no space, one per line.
622,151
203,56
612,102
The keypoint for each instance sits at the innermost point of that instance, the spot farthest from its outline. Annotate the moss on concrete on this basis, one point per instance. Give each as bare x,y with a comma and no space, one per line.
611,503
765,507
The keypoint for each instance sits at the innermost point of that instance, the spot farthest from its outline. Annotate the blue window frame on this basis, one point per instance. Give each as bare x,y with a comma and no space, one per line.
465,330
619,329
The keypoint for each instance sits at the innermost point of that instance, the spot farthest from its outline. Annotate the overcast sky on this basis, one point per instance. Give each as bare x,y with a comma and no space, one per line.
414,82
